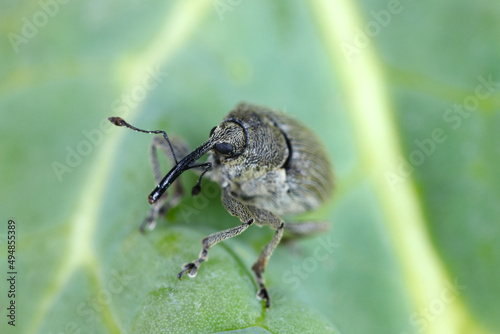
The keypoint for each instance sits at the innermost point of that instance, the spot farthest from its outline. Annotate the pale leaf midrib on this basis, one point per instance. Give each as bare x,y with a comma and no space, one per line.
377,141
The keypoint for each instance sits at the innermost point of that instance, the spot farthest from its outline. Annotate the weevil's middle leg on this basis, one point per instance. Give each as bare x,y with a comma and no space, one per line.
266,218
260,265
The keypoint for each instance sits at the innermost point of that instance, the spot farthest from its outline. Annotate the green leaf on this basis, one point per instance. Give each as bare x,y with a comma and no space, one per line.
405,96
250,330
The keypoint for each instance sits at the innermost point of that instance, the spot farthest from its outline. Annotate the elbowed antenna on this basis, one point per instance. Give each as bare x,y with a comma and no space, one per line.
118,121
178,169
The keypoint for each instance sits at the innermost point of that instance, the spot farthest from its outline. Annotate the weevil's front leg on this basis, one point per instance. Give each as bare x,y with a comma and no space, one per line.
266,218
161,207
236,209
192,267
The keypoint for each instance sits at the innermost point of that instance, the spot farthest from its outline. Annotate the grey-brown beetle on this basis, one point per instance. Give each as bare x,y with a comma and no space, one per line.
268,165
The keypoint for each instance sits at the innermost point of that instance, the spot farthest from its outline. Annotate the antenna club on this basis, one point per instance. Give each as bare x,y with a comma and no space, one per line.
118,121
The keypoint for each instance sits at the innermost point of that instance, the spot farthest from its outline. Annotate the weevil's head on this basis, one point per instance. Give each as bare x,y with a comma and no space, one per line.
229,139
248,143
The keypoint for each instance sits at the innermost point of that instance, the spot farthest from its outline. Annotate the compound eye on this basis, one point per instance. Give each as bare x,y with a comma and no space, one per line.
223,148
212,131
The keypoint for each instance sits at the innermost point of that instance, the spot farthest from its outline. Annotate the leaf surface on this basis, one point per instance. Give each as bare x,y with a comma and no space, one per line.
405,96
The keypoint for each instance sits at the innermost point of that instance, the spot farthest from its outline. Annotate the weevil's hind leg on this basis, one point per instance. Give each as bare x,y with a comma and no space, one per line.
302,229
236,209
266,218
161,207
298,230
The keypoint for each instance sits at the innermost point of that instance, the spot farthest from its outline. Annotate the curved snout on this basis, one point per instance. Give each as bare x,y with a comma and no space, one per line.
178,169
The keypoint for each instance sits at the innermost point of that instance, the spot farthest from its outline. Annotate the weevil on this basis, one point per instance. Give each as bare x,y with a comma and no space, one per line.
268,165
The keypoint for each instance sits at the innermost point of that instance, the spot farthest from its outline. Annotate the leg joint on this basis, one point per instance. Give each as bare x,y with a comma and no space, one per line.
204,242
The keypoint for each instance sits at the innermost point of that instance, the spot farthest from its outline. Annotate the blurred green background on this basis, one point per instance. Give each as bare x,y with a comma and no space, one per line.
405,95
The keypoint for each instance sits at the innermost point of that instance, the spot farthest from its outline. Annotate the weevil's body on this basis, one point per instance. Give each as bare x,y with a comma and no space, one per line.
267,164
284,168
